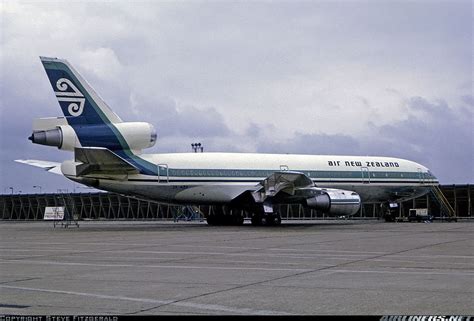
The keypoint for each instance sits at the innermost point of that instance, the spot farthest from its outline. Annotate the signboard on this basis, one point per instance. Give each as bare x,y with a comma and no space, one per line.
418,211
422,211
54,213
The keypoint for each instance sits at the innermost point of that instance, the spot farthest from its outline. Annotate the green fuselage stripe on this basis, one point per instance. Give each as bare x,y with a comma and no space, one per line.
254,173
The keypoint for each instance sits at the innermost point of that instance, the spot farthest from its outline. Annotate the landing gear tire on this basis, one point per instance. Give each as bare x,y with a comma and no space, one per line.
256,220
271,220
209,221
228,220
238,220
266,220
212,220
276,220
389,214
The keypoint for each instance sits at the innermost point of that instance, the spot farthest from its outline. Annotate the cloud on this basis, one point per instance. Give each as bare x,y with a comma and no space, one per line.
434,134
170,118
437,135
468,100
103,63
312,144
313,77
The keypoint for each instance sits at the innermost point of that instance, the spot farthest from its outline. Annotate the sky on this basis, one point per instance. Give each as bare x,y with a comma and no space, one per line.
385,78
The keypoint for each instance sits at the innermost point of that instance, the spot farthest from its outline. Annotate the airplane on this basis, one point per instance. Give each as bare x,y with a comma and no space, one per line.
108,155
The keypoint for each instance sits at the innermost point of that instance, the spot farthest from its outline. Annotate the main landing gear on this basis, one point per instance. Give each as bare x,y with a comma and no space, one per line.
225,216
227,220
266,219
260,216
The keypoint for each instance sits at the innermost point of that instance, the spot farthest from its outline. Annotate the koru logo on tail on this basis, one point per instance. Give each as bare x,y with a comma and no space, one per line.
75,98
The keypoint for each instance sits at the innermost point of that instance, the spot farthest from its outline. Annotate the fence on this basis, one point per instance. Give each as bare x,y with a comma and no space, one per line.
109,206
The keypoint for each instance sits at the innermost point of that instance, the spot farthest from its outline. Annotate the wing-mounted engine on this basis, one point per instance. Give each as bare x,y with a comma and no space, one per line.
335,201
125,135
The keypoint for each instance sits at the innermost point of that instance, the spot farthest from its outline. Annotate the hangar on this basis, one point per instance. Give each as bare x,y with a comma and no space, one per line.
110,206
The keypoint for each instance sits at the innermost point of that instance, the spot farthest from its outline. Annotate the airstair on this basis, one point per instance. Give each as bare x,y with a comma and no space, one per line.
69,216
445,208
189,213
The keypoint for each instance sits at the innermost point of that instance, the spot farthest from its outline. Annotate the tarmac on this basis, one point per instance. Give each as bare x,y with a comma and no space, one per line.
190,268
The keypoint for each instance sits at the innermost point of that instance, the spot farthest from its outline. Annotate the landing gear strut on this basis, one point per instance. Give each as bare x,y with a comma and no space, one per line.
266,216
389,213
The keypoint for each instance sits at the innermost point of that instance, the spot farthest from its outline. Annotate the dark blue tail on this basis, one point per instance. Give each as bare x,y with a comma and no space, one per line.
79,102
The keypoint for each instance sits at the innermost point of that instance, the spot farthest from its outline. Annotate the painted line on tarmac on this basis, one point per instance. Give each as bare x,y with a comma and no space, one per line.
208,260
241,254
429,263
315,252
12,257
150,266
184,252
201,306
436,256
342,257
424,272
193,246
404,271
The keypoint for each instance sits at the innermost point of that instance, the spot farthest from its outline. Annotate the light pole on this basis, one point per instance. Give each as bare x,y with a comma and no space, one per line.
37,186
11,189
197,147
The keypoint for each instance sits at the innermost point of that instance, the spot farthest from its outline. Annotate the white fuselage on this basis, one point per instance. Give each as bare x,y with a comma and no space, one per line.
218,178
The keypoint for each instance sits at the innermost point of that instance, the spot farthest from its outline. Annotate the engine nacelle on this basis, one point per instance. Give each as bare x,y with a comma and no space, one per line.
136,136
335,202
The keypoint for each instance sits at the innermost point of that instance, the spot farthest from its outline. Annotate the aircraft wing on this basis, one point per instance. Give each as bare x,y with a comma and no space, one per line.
52,167
296,187
288,182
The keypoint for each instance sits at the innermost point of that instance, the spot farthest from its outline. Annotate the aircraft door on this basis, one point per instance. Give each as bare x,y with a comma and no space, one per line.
163,173
365,175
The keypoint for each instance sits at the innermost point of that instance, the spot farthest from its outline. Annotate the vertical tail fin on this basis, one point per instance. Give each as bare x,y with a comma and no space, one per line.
79,102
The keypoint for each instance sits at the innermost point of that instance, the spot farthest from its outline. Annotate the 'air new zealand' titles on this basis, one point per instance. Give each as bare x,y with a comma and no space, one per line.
108,155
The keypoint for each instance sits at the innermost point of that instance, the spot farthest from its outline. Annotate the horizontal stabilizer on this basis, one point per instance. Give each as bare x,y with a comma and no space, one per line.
52,167
99,160
48,123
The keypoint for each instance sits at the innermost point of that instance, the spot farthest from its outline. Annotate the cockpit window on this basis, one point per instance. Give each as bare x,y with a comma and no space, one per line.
430,174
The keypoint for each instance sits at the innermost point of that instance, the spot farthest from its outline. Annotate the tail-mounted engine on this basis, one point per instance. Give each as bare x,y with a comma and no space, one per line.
126,135
335,202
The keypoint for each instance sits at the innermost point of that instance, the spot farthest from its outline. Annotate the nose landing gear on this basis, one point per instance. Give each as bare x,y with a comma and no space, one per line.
266,219
266,216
